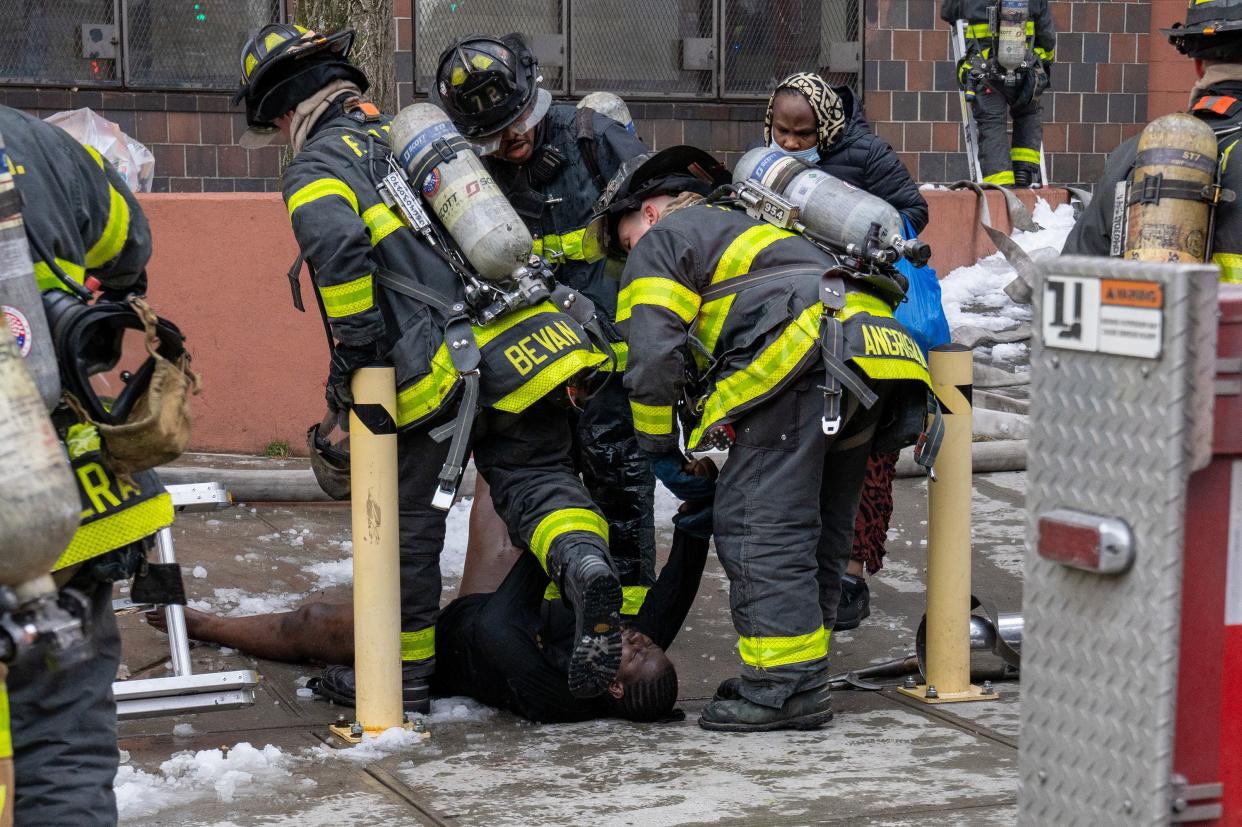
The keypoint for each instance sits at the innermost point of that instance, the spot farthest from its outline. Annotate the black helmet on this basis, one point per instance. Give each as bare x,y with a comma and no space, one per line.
328,448
283,64
667,172
1213,30
487,85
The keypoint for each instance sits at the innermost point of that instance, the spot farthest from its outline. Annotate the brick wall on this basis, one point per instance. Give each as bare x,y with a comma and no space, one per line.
193,136
1097,99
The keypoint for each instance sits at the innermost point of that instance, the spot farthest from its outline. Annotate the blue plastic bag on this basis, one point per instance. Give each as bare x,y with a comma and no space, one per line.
922,313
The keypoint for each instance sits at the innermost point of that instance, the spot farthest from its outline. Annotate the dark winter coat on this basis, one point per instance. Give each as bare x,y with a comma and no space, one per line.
862,158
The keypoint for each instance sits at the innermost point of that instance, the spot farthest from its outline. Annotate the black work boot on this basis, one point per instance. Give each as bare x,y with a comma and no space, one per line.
855,605
592,589
805,710
1025,174
339,684
730,689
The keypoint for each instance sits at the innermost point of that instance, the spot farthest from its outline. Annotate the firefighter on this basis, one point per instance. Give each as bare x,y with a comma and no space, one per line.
301,84
997,84
82,222
552,161
723,311
1212,37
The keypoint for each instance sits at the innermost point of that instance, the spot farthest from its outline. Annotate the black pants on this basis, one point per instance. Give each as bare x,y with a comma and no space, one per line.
526,461
64,727
619,479
996,155
784,527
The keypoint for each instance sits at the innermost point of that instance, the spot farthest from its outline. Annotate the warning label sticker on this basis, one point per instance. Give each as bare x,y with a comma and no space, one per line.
1125,318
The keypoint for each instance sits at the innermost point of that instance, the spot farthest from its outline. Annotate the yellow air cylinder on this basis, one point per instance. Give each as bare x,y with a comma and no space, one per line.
1177,157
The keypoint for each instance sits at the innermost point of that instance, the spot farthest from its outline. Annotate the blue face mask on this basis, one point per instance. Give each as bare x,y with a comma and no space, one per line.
807,156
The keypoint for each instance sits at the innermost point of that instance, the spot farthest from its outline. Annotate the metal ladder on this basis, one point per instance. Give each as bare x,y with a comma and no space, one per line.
183,691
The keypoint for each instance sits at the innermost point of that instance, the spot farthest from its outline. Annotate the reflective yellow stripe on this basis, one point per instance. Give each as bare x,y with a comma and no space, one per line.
856,303
1224,156
561,522
1046,55
428,393
1030,28
735,261
6,734
632,599
769,652
877,367
551,592
576,245
1021,153
348,298
94,153
620,350
115,231
656,420
1230,267
978,31
547,379
322,188
419,645
117,530
381,221
661,292
740,254
773,364
1000,178
47,280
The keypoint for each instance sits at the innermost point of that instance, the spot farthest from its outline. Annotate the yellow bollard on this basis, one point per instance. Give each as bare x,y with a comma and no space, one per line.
948,537
377,575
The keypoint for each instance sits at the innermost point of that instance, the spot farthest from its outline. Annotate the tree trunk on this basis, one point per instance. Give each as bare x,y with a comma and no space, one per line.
373,45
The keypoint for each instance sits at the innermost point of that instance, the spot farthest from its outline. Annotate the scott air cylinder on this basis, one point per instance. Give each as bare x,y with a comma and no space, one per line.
834,212
21,306
1168,214
441,164
1011,33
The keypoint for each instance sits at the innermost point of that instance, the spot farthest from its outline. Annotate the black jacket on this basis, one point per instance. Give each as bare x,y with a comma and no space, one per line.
862,158
1092,235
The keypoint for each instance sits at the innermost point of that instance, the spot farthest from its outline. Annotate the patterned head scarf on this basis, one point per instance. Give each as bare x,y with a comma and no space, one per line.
825,103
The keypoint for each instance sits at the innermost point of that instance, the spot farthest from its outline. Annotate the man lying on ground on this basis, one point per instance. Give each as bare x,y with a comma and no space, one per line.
500,641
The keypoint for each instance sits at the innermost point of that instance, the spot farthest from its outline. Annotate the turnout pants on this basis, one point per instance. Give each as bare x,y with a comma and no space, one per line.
526,461
621,483
997,157
64,727
784,524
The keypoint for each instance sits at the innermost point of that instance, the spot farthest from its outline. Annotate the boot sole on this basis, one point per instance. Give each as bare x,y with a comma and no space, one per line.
803,722
597,655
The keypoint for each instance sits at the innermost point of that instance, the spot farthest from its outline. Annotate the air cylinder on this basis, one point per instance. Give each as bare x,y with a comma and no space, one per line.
1167,219
461,193
1011,36
835,212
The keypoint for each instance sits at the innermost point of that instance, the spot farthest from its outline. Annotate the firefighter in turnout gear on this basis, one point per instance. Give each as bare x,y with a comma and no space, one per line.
387,295
552,161
738,328
83,225
1010,48
1212,37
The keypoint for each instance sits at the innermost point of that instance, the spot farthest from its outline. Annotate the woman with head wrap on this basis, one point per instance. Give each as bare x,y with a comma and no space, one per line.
822,125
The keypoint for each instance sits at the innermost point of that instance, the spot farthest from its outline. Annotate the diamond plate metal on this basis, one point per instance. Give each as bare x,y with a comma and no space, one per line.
1114,436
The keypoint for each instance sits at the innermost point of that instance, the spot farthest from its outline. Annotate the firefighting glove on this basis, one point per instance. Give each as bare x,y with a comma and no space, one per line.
672,469
345,360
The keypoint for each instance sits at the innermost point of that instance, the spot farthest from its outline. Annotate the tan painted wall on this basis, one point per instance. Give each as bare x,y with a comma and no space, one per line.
219,273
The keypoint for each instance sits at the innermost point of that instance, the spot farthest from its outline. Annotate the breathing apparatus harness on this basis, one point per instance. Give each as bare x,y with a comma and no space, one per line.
869,267
989,73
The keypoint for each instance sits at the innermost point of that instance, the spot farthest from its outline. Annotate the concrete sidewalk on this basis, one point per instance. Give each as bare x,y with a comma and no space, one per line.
885,760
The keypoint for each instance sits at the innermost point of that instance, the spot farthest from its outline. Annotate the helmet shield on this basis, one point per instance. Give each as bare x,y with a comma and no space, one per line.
486,85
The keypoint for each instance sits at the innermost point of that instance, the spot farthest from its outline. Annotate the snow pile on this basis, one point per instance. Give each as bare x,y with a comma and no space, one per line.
453,558
975,295
457,710
187,776
244,603
375,747
331,572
